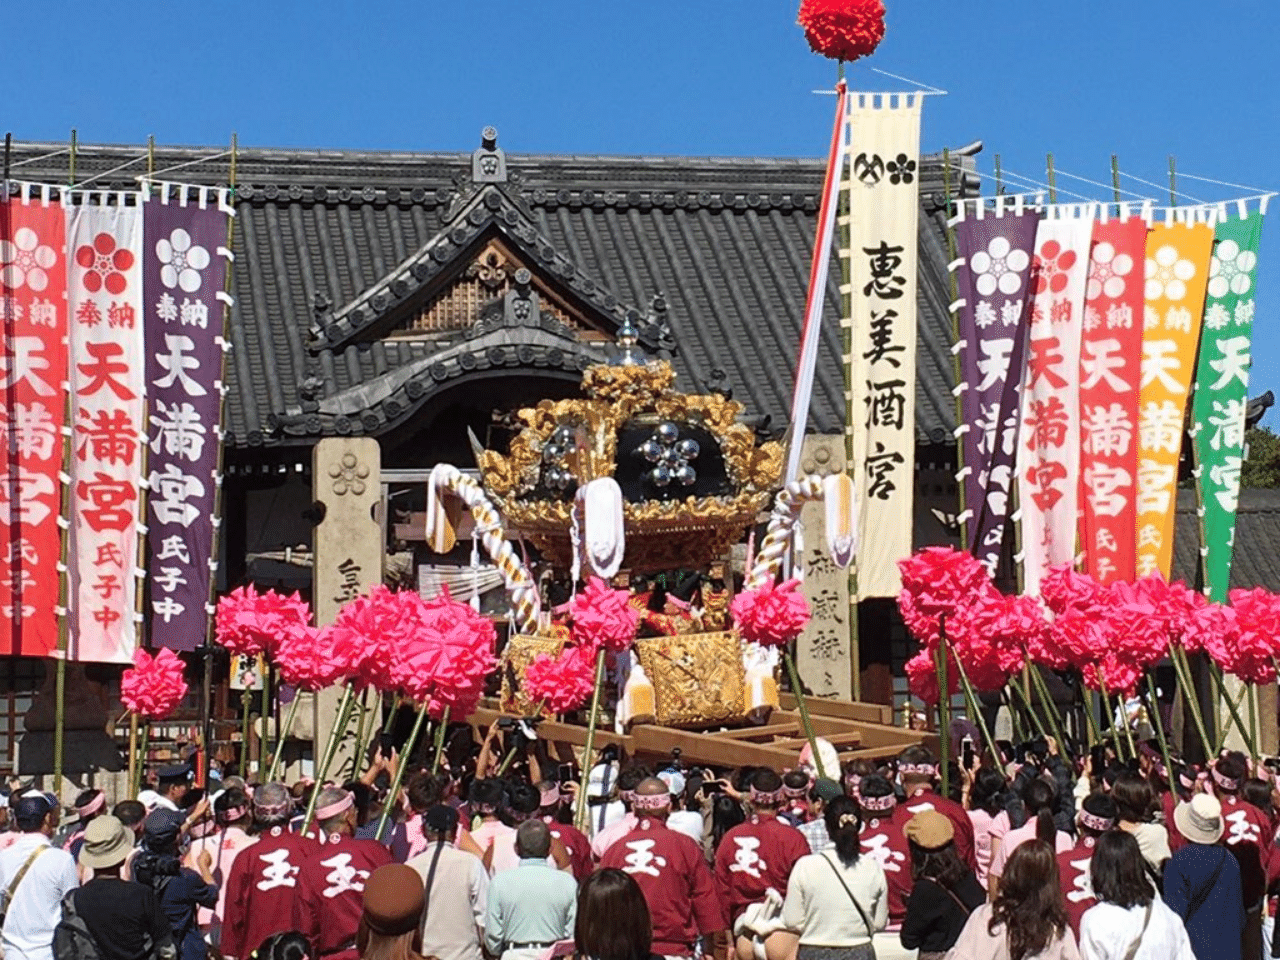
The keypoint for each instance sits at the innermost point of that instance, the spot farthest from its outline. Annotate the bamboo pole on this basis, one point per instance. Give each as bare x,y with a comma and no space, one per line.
844,211
133,753
64,578
206,706
281,736
393,796
955,338
975,707
803,707
1051,708
1221,683
1036,722
1182,669
331,747
441,730
360,732
1253,718
580,815
244,732
1153,704
141,771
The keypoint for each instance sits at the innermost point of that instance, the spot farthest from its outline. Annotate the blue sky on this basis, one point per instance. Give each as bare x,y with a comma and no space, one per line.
1082,79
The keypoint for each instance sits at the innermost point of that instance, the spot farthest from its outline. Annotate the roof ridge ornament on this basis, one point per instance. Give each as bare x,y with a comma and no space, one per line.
489,163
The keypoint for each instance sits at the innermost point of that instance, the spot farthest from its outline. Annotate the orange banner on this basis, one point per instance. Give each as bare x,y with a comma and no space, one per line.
1176,278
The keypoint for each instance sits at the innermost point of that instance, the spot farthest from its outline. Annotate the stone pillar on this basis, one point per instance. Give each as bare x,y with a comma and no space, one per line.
823,654
347,479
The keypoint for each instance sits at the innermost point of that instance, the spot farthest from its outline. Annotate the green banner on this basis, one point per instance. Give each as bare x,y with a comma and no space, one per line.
1221,393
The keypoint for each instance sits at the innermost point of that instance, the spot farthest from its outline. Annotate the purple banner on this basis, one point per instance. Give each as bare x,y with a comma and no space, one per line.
995,255
183,278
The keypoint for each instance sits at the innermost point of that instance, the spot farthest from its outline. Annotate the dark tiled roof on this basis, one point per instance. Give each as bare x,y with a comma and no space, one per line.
1257,555
327,243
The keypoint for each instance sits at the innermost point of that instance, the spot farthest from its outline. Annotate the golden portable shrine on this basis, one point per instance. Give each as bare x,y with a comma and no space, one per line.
649,488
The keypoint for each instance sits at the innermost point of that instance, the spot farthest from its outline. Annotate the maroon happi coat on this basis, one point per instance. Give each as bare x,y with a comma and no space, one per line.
331,894
676,882
1077,885
926,799
882,839
753,857
261,890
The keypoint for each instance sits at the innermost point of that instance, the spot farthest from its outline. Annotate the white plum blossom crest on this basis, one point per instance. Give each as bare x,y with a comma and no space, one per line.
183,261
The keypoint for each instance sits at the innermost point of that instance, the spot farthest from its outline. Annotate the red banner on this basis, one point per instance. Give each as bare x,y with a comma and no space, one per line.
33,299
1110,372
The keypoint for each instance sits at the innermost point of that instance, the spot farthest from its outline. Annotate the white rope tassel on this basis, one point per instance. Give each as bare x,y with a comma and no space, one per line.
525,602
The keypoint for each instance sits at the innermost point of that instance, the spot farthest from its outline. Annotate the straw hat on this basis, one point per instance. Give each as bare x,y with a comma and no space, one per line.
929,829
107,843
1199,819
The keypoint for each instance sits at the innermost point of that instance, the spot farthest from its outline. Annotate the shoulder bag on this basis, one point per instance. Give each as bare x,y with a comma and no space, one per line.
6,896
866,922
1137,941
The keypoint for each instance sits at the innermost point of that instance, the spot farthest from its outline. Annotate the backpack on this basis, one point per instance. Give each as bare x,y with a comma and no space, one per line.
71,937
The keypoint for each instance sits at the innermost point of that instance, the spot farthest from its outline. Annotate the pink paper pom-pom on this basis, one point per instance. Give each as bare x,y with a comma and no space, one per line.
444,652
249,623
305,659
564,684
153,687
603,617
936,583
771,616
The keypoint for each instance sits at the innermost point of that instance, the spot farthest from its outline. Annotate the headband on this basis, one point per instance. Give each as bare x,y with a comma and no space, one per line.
627,796
651,801
1226,783
795,793
549,798
1188,783
1093,822
335,808
764,798
269,810
878,804
919,769
231,813
93,806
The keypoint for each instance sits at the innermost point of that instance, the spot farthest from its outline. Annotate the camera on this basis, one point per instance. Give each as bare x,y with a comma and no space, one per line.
1032,751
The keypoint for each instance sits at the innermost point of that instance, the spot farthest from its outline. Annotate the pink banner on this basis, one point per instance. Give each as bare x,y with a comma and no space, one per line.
1049,439
33,308
1110,371
107,367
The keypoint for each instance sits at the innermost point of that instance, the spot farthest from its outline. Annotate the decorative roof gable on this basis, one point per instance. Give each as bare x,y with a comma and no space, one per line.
488,233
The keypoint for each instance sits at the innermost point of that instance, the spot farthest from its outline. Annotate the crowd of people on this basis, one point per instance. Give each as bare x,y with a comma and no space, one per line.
1033,854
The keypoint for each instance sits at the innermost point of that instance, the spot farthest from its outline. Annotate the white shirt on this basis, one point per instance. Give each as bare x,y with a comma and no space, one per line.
688,822
817,906
36,907
1107,931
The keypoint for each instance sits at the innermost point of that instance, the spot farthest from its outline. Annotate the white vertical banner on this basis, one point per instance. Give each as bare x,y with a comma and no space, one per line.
1048,459
104,309
884,210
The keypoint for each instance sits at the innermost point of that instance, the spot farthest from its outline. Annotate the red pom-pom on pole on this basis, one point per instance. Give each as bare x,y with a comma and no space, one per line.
843,29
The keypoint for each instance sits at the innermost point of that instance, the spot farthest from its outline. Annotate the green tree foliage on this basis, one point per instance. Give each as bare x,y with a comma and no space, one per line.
1262,468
